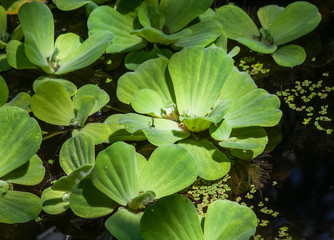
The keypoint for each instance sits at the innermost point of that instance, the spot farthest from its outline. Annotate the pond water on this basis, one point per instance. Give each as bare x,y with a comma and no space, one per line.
302,163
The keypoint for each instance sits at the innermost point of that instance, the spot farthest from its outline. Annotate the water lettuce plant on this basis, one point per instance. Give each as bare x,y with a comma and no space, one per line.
20,138
198,90
68,53
224,220
58,102
160,22
279,26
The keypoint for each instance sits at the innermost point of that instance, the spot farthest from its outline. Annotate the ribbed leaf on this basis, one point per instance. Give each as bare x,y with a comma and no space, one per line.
163,131
30,173
179,13
149,75
99,132
16,55
87,53
227,220
268,14
54,202
211,162
67,43
84,105
173,217
124,225
21,100
289,55
20,138
115,172
19,207
76,152
236,23
52,104
197,84
88,202
108,19
296,20
170,169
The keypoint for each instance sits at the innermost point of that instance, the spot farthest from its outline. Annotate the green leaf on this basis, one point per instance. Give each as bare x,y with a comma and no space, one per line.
53,201
268,14
135,58
149,16
246,143
100,96
108,19
70,87
149,75
99,132
197,84
227,220
196,124
118,132
87,53
3,22
256,108
4,92
84,105
179,13
4,65
66,183
19,207
236,23
172,217
38,30
141,200
211,162
88,202
203,33
163,132
20,138
52,104
115,172
289,55
30,173
126,6
16,55
76,152
296,20
124,225
157,36
67,43
169,170
221,131
147,101
257,46
66,5
21,100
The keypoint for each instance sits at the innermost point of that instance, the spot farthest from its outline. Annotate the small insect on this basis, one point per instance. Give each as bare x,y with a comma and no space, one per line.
152,125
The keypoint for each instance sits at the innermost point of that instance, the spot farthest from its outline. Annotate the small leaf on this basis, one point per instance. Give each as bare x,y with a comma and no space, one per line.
163,131
84,105
76,152
4,65
211,162
16,55
221,131
257,46
124,225
53,201
227,220
66,5
289,55
30,173
88,202
236,23
170,169
3,22
52,104
141,200
158,221
147,101
108,19
20,138
268,14
115,172
100,96
21,100
19,207
67,43
4,92
70,87
99,132
119,133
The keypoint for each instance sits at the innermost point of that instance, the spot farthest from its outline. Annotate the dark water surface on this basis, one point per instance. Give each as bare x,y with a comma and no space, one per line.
303,162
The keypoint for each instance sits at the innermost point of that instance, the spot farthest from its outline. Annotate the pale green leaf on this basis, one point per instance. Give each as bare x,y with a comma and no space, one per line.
16,55
147,101
70,87
99,132
67,43
53,201
84,105
66,5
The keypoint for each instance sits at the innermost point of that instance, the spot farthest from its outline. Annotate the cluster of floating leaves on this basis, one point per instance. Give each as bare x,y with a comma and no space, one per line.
252,66
304,97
